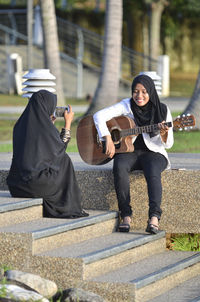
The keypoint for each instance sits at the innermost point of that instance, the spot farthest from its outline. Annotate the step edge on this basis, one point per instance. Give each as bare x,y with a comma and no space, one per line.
46,232
166,271
119,248
20,205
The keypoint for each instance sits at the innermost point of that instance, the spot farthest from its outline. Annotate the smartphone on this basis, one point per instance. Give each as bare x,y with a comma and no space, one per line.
59,111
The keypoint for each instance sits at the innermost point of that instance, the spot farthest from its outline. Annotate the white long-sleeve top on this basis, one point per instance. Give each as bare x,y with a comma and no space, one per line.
154,143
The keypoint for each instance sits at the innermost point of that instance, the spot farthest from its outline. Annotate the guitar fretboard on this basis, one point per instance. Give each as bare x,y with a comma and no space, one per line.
142,129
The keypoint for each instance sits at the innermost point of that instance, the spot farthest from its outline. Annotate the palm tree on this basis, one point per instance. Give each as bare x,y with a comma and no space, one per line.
51,46
107,89
155,8
193,106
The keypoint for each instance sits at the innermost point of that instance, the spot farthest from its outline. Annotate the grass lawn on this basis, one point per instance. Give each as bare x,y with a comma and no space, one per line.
7,121
184,141
17,100
182,84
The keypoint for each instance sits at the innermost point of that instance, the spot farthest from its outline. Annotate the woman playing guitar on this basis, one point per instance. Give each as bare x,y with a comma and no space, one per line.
149,155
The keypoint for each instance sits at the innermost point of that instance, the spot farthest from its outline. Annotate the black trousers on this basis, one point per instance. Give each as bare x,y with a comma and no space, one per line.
152,164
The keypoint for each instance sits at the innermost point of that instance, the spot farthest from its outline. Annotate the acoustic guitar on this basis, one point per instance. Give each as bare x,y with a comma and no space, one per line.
123,131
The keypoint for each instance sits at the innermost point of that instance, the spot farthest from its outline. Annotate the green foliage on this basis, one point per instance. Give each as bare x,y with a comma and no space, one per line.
5,267
3,289
133,5
177,12
185,8
70,3
186,242
186,142
9,3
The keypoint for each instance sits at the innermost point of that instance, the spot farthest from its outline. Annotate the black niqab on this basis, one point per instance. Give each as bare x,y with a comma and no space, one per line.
154,111
36,141
40,167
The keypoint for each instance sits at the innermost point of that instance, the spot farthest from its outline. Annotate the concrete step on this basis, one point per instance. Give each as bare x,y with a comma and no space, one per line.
49,233
188,291
108,252
147,278
90,254
16,210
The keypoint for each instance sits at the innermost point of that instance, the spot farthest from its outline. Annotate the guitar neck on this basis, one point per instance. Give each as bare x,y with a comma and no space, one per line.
142,129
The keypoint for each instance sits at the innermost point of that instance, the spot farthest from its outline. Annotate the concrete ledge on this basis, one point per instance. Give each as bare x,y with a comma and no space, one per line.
181,191
180,205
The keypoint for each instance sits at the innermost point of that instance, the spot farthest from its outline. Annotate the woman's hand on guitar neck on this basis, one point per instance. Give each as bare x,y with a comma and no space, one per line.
163,131
110,147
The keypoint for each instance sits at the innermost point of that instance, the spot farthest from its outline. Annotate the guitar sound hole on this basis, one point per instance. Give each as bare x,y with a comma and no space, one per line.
115,135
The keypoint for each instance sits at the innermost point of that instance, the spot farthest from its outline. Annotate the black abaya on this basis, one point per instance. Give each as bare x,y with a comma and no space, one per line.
40,167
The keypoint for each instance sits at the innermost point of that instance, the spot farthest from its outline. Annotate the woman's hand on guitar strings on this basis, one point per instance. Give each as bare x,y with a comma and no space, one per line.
163,131
110,147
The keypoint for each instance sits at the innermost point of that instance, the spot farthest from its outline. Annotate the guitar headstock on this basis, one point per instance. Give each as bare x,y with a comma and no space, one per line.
184,122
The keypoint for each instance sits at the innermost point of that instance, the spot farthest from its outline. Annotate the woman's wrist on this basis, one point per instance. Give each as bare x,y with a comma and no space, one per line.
65,135
164,136
67,126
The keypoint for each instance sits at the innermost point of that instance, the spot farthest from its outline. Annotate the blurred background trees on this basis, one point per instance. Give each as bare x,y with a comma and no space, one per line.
107,90
51,46
177,35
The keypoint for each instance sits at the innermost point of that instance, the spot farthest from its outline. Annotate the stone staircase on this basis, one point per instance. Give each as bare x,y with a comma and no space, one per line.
88,253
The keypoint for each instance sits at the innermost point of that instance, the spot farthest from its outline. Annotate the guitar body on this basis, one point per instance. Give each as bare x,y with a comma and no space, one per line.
123,131
91,149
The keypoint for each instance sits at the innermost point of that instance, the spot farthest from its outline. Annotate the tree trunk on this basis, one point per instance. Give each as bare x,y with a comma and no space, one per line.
193,106
157,8
107,89
145,36
51,46
134,28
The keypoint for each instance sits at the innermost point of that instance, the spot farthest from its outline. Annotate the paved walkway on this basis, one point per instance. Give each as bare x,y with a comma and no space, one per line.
188,161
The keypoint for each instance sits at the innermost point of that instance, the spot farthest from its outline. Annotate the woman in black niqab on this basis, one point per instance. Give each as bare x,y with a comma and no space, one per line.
40,167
